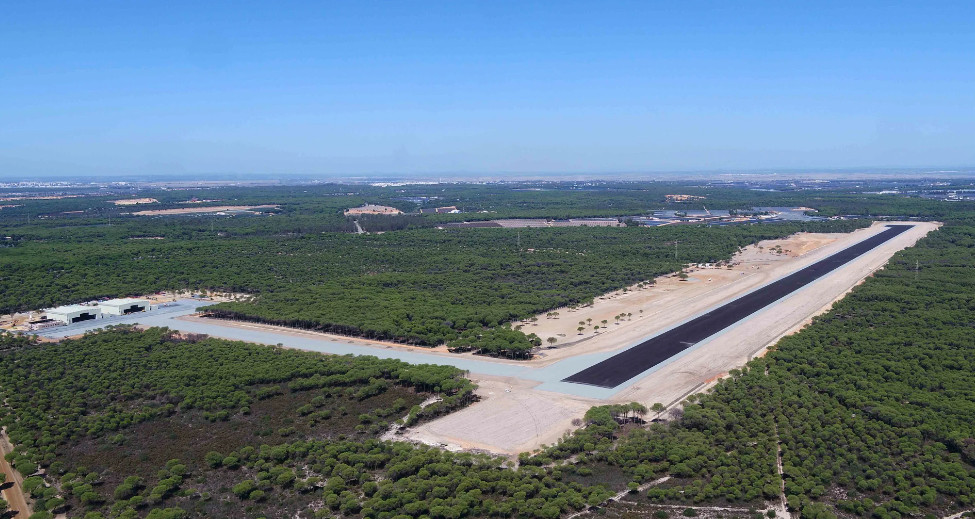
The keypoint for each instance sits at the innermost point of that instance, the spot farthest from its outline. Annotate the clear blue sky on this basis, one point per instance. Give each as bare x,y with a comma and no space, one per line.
324,88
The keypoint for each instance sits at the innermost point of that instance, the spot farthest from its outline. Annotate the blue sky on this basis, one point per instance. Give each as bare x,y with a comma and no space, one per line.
329,88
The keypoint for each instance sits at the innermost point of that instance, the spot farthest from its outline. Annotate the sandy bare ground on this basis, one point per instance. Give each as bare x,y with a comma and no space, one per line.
526,417
212,209
175,295
511,418
135,201
14,495
372,209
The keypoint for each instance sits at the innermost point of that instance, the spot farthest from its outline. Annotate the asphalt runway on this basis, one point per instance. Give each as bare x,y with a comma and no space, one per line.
630,363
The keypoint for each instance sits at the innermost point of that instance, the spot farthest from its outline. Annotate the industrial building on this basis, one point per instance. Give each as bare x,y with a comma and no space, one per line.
73,313
125,306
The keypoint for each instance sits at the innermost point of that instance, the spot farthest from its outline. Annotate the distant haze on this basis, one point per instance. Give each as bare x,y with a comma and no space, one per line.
499,89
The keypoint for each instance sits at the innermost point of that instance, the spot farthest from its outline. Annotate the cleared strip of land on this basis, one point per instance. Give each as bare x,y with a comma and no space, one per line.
195,210
627,364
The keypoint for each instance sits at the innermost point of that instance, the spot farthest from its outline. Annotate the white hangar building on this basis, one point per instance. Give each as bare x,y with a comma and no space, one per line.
73,313
125,306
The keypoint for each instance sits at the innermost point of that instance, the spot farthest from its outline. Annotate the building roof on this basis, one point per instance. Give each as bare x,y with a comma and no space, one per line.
124,301
70,308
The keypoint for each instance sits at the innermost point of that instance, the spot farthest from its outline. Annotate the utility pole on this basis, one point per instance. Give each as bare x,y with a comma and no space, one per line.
519,239
917,268
675,248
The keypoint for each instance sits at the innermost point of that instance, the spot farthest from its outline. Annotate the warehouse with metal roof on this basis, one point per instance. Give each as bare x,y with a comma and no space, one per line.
73,313
125,306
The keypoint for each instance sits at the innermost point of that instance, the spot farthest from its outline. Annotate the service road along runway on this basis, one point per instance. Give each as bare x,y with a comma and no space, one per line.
630,363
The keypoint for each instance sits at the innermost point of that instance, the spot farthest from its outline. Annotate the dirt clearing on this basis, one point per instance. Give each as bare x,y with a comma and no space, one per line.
194,210
511,417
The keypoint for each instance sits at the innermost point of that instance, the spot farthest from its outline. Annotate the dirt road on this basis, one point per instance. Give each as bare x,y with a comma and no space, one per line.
14,495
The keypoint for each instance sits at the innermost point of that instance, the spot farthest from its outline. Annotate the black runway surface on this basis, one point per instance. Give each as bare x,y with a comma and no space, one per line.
630,363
